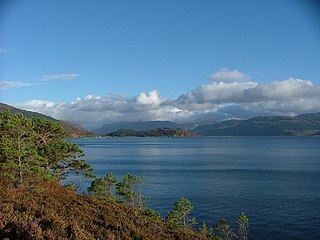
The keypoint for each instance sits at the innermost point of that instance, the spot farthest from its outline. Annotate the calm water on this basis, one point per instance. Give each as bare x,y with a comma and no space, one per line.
274,180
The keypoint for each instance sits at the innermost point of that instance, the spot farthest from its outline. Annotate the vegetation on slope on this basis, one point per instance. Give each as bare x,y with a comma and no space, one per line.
74,131
140,125
49,211
34,158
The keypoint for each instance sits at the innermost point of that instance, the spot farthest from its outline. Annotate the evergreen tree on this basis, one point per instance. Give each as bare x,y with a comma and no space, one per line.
102,187
179,216
36,150
243,229
129,190
224,229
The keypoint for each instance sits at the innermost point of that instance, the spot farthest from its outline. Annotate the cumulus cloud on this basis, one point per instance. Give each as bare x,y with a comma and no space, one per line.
151,98
222,92
219,100
13,84
291,88
65,76
226,75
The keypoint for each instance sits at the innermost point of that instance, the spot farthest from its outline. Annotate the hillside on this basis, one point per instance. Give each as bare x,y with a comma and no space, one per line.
301,125
140,125
159,132
49,211
74,131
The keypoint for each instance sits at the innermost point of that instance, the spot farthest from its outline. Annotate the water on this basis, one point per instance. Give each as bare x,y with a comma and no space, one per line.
274,180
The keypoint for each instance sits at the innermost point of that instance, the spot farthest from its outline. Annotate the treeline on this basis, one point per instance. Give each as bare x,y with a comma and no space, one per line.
35,157
127,191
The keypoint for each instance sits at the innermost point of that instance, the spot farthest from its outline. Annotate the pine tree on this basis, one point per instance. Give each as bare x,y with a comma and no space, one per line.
243,229
36,150
179,216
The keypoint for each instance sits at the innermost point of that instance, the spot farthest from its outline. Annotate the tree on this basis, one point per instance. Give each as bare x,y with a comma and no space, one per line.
179,216
129,190
18,154
36,149
225,230
102,187
58,155
243,229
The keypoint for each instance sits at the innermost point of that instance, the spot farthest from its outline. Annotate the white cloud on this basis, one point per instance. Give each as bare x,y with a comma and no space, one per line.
13,84
291,88
221,100
65,76
151,98
226,75
222,92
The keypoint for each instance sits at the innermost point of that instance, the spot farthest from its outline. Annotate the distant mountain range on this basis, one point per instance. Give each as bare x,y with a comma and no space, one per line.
301,125
74,131
149,125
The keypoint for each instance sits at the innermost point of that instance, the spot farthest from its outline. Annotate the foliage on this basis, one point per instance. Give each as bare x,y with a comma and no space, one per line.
130,191
152,213
35,149
224,229
34,156
102,187
243,223
178,217
49,211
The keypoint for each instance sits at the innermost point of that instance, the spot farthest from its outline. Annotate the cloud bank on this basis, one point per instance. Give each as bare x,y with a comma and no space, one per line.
234,96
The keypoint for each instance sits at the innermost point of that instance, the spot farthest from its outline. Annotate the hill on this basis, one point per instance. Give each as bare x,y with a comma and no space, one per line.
74,131
140,125
50,211
159,132
301,125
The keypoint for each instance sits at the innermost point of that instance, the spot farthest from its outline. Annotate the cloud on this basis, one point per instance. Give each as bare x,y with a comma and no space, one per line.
222,92
13,84
65,76
291,88
151,98
226,75
218,100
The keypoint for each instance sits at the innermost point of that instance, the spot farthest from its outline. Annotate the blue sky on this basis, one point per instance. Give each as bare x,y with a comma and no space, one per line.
176,60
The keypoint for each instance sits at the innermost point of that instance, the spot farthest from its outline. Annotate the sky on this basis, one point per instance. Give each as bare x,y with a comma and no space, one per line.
103,61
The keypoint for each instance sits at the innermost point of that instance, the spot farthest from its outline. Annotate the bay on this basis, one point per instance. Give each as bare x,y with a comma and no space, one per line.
274,180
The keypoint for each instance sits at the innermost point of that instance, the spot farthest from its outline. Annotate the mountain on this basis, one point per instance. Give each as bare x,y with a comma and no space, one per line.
301,125
74,131
194,124
159,132
141,125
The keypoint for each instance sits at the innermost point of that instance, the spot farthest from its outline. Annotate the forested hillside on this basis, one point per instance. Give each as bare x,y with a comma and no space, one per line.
73,130
159,132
